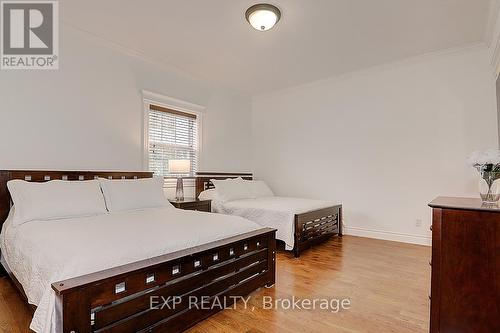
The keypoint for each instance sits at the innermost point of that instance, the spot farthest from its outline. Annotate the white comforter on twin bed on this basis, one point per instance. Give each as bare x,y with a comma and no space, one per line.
42,252
274,212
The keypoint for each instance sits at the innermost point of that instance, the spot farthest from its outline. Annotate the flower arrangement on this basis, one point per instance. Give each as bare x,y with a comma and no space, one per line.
488,164
488,159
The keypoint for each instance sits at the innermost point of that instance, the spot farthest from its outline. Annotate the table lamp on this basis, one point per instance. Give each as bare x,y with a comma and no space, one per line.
179,167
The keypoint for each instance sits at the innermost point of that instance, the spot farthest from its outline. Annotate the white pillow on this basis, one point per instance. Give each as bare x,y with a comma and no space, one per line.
210,194
130,194
55,199
258,188
231,189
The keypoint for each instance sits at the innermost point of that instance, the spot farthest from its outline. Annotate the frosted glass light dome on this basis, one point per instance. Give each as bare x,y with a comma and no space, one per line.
263,16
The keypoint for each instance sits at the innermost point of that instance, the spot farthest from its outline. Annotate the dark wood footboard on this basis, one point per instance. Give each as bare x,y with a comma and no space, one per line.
310,228
316,226
131,298
121,299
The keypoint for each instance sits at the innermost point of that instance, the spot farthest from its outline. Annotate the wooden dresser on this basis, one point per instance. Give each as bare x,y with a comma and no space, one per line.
465,287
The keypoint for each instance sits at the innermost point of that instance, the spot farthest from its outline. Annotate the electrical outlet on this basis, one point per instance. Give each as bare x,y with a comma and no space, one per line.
418,222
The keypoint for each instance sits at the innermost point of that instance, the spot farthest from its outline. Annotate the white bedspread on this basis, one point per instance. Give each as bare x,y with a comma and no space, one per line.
274,212
40,253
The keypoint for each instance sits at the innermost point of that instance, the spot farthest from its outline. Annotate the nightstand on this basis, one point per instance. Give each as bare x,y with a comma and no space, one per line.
192,204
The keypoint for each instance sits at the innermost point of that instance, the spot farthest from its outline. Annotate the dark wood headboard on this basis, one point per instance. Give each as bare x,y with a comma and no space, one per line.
43,176
203,179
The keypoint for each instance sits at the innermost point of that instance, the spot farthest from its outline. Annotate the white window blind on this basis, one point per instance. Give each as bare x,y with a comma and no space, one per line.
173,135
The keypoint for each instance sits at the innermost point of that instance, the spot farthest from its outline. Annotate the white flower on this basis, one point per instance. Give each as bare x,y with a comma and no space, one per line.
489,156
473,158
492,156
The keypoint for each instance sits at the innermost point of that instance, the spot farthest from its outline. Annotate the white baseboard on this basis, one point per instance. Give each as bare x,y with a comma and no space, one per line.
387,235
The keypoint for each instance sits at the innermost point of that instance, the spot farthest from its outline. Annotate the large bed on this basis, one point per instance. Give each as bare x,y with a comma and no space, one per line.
99,273
300,223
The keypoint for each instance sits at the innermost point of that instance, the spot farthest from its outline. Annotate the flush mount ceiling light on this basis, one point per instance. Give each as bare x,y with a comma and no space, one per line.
263,16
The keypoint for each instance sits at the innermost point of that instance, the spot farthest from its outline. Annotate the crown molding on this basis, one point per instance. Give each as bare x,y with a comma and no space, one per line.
141,56
492,36
493,11
110,44
381,67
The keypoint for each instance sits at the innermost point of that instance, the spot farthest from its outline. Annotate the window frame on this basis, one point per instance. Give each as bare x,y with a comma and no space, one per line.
176,105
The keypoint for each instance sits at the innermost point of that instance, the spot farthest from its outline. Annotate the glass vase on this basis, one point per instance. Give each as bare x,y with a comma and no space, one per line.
489,187
179,190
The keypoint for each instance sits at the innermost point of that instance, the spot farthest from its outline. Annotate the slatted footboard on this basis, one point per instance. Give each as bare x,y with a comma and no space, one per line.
131,298
310,228
316,226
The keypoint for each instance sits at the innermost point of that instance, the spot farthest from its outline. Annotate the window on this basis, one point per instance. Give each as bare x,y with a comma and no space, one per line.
172,135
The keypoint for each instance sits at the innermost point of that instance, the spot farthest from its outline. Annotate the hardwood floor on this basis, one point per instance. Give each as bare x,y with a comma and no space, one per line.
387,284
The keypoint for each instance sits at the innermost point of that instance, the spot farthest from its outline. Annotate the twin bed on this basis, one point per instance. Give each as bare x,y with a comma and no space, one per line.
98,273
300,223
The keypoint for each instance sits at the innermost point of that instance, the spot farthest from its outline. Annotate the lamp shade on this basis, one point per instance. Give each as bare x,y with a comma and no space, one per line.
263,16
179,166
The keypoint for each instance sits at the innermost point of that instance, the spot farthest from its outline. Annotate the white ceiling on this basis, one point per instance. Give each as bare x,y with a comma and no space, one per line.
315,39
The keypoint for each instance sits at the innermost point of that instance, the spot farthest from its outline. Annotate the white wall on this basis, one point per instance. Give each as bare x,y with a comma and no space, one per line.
88,114
383,141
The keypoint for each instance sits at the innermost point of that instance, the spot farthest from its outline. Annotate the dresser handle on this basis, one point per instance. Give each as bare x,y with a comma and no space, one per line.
430,263
430,227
